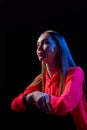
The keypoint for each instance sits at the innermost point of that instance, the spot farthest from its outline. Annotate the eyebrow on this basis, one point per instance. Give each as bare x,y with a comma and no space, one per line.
42,40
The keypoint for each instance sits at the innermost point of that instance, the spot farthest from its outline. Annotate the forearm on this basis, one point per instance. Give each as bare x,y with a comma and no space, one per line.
17,104
49,103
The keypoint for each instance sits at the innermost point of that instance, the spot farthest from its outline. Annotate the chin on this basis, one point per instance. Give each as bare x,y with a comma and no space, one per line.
41,59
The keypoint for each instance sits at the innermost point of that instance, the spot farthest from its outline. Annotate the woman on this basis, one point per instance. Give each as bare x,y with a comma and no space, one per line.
60,88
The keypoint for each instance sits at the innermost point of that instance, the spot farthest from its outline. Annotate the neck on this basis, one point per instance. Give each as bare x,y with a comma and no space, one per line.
51,68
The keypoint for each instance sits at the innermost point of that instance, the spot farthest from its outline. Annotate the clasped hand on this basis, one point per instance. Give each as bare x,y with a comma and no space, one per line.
41,99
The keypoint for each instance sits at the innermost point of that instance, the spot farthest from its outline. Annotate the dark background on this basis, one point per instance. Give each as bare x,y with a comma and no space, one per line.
21,23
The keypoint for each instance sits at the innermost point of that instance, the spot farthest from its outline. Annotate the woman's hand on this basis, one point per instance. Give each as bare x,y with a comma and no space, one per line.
41,99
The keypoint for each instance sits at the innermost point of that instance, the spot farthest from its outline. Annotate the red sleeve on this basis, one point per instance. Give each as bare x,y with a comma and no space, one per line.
17,103
72,93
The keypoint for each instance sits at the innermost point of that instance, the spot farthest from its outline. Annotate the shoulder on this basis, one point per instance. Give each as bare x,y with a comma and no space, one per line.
77,71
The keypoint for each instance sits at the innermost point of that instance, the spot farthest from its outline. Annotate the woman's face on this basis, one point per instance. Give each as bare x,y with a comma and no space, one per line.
46,48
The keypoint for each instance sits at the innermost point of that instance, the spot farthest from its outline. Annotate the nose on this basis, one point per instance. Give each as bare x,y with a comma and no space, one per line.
40,47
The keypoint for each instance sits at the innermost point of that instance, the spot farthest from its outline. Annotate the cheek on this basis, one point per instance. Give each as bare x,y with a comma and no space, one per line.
45,47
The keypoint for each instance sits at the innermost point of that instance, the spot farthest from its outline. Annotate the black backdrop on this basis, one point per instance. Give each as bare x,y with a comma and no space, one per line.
21,22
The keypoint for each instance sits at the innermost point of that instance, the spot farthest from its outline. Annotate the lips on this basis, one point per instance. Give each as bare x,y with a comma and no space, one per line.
40,53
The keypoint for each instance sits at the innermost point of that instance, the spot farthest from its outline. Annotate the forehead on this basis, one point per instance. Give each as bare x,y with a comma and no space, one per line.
43,36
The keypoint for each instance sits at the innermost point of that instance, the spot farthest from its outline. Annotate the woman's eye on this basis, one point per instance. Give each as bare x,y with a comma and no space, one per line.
46,42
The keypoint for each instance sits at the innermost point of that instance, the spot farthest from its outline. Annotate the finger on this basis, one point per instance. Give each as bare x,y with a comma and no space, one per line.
47,102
